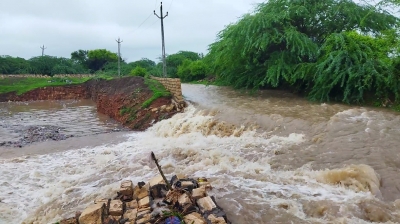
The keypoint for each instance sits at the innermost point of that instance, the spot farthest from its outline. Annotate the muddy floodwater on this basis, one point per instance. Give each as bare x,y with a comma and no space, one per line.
26,124
271,157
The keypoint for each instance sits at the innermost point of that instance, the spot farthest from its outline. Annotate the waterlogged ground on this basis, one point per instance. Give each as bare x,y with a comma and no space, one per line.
291,162
24,123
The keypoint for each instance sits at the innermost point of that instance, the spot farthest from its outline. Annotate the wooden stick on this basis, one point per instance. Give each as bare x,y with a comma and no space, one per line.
161,172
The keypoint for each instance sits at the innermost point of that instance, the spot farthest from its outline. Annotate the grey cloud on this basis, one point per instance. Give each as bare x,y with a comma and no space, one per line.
65,26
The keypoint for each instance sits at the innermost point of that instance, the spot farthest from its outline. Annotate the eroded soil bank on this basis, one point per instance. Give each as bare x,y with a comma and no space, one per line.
121,99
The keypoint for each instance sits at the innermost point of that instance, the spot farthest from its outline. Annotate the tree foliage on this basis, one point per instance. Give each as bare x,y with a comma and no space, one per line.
192,70
138,71
175,60
45,65
332,49
99,57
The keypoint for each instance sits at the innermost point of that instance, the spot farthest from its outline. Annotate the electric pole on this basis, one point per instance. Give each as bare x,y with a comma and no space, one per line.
43,49
119,55
162,39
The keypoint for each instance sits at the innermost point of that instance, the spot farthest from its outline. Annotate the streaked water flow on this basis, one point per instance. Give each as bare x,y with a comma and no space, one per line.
272,158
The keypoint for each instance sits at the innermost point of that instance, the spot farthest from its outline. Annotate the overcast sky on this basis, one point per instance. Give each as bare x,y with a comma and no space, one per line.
64,26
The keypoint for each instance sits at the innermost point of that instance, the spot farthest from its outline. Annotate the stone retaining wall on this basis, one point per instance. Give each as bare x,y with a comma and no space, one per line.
173,85
46,76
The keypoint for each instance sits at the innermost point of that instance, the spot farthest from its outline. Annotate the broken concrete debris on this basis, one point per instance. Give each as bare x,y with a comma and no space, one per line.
187,202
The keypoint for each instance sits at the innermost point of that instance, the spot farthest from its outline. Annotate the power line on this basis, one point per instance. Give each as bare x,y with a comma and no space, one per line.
155,5
170,5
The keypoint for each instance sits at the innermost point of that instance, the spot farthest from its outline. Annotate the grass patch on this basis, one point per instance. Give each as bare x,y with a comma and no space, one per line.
23,85
158,91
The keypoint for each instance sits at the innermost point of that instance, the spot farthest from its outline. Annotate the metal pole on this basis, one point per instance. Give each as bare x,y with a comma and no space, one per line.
119,55
43,49
162,39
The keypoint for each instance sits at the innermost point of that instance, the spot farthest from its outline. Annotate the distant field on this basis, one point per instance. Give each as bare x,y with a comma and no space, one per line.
22,85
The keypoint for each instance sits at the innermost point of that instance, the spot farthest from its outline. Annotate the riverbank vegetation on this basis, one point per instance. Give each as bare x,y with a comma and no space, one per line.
333,50
22,85
328,50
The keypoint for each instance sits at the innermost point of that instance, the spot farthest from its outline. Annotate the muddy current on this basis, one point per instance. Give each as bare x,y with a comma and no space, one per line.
272,157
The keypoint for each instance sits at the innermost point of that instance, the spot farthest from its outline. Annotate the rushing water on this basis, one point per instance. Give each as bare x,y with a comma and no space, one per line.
271,157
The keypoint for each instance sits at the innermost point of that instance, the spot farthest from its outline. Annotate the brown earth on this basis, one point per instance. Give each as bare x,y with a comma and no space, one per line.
121,99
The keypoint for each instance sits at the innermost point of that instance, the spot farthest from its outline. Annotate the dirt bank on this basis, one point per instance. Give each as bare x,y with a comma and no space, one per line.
121,99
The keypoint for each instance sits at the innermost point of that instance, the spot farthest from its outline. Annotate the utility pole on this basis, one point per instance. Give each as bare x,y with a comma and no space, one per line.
43,49
162,39
119,55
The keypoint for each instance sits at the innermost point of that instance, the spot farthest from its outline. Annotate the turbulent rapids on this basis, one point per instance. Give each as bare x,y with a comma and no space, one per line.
271,158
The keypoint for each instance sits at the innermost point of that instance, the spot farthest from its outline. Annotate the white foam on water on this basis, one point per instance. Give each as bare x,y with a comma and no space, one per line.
46,188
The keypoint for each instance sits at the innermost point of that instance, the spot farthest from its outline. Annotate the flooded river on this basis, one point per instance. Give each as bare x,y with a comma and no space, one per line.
272,158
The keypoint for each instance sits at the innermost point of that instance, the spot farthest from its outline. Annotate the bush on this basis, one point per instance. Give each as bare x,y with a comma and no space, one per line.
138,71
192,70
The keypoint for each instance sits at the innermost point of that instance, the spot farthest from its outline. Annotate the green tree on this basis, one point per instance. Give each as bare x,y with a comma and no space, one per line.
286,43
192,70
175,60
11,65
139,71
144,63
80,57
99,57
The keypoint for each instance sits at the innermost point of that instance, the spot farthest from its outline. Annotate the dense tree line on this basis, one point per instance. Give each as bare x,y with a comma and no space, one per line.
331,49
100,61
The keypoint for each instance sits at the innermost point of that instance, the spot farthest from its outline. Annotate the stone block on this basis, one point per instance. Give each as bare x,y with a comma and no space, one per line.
101,200
184,199
140,192
206,184
206,204
130,214
111,220
198,193
216,220
131,204
187,184
126,188
144,202
156,180
194,218
116,208
146,218
142,212
93,214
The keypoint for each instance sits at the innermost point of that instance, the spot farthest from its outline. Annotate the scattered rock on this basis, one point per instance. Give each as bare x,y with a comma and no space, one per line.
126,190
116,208
206,204
185,198
194,218
132,204
92,214
144,202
